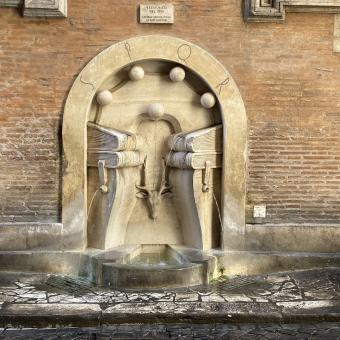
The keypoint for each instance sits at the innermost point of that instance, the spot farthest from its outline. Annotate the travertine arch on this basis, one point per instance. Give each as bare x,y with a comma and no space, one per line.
78,106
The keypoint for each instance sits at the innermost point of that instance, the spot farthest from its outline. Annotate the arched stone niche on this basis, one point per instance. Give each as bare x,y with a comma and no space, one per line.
107,70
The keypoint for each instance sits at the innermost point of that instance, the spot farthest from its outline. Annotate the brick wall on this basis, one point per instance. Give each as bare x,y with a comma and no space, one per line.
293,102
288,76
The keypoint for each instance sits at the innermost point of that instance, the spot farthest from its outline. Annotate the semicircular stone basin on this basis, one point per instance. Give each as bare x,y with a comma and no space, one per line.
149,267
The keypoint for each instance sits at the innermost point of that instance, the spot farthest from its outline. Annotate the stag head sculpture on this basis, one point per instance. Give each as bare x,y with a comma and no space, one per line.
154,196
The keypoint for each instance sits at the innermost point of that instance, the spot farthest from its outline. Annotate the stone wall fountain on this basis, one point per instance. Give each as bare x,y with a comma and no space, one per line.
163,164
154,172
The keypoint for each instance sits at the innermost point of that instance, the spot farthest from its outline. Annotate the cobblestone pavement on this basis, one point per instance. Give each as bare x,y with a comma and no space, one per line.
301,304
280,288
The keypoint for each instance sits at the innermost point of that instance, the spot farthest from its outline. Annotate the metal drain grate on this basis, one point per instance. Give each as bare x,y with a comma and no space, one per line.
73,285
234,283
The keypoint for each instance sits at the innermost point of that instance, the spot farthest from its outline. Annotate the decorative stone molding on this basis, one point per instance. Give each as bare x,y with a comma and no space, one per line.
274,10
39,8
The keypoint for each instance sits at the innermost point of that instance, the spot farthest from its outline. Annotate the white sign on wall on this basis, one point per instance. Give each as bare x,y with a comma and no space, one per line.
156,14
259,211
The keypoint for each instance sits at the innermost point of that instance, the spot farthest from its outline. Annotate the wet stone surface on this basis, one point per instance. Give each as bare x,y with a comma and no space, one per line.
290,305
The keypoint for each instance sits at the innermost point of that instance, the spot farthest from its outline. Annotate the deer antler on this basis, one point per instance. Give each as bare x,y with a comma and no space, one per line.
143,187
164,187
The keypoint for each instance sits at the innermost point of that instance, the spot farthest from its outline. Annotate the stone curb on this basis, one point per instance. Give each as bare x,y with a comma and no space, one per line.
87,315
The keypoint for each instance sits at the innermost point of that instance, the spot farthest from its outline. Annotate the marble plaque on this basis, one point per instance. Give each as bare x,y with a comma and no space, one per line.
259,211
156,14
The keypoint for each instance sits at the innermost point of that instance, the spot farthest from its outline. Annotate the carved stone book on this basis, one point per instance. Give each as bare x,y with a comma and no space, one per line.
209,139
105,139
122,159
190,160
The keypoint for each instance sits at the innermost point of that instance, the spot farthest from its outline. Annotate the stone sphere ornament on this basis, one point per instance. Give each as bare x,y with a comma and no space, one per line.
136,73
208,100
177,74
156,110
104,97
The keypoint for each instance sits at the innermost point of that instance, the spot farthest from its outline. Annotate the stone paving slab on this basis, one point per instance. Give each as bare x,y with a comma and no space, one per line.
195,312
40,315
324,331
28,300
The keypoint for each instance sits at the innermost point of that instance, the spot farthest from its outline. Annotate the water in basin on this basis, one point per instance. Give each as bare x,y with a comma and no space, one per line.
156,256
